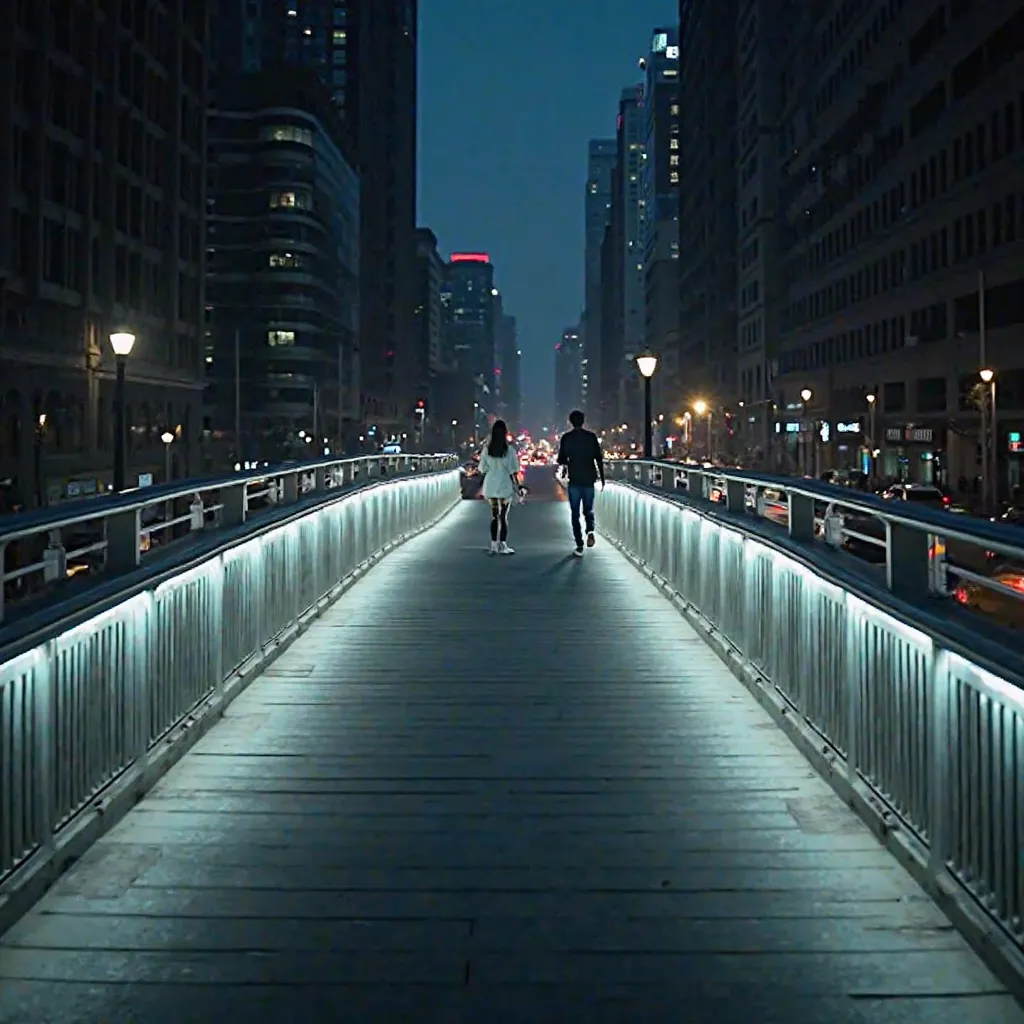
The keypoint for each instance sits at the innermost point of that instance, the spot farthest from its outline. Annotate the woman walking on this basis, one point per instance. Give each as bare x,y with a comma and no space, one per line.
499,465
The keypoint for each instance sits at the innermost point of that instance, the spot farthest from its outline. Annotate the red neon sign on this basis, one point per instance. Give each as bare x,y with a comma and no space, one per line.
470,257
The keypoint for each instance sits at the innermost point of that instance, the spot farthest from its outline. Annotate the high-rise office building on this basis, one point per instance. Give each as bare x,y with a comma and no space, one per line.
893,245
622,270
468,298
660,191
597,205
428,334
760,59
707,199
568,352
365,53
507,357
282,270
631,156
102,136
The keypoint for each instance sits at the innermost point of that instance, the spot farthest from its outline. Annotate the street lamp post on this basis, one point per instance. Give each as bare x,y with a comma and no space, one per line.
700,407
992,474
806,395
168,439
870,397
39,440
455,446
122,342
647,363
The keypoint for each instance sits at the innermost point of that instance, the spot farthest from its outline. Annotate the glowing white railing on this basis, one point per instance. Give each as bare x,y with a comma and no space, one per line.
90,713
926,735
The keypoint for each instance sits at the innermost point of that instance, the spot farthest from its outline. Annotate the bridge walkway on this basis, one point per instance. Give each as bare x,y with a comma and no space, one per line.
493,790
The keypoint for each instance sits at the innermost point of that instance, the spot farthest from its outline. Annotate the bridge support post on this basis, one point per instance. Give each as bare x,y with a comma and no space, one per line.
736,496
320,479
906,561
695,484
289,488
124,542
801,517
234,507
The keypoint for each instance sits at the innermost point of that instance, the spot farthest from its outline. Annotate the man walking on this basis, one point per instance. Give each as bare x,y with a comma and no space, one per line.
580,452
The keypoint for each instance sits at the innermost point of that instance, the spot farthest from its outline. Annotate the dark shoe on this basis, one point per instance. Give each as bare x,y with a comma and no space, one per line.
591,539
579,552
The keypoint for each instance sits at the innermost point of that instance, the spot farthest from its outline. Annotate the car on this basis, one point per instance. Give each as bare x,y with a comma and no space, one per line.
920,494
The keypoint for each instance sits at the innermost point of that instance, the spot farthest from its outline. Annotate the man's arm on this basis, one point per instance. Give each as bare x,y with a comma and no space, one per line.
563,458
599,458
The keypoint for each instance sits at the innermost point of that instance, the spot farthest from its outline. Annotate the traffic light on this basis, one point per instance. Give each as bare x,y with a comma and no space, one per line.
421,404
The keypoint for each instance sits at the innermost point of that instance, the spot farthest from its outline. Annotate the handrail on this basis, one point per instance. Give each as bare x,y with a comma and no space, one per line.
101,702
122,537
928,553
917,721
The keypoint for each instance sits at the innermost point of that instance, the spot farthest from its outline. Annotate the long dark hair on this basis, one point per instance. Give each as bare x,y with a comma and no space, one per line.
498,444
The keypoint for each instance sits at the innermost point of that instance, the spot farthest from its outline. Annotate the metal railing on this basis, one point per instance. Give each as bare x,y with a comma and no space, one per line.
115,534
93,702
927,718
915,551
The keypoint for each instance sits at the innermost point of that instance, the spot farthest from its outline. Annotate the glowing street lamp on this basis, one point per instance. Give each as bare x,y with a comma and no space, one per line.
647,363
122,342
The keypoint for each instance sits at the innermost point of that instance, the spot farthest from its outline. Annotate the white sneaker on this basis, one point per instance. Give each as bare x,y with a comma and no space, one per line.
504,549
494,548
578,552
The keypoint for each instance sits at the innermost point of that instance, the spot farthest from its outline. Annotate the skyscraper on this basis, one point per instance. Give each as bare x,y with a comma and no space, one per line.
364,53
630,134
601,155
567,373
660,179
707,198
102,136
428,318
282,269
468,299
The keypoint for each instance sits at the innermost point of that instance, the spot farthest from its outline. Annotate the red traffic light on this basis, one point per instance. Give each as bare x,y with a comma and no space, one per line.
420,404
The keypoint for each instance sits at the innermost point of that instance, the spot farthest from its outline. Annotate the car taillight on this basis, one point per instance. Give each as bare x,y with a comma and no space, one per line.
945,500
961,594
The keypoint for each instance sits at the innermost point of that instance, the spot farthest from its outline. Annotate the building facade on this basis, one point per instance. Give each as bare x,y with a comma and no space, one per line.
102,152
428,323
902,237
761,40
468,299
707,200
365,54
282,270
597,206
660,190
507,361
631,156
568,353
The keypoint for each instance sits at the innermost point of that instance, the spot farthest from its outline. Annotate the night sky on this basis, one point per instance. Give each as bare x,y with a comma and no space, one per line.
510,92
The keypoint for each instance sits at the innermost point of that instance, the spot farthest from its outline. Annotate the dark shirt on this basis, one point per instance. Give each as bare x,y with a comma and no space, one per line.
580,452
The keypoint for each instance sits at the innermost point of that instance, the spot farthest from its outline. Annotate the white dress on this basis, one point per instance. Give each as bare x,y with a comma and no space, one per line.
497,474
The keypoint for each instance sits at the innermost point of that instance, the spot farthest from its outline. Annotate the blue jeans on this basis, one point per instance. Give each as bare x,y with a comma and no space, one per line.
578,496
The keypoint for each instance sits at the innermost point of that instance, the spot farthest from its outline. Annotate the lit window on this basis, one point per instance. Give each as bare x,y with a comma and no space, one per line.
673,143
288,133
340,35
291,201
292,13
674,160
674,110
275,339
286,260
674,178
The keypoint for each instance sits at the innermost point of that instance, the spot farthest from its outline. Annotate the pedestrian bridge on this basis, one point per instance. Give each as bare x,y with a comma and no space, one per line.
345,768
